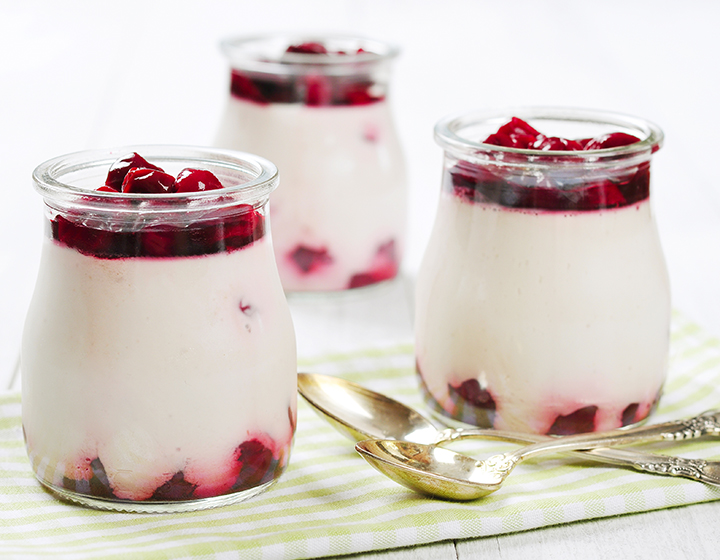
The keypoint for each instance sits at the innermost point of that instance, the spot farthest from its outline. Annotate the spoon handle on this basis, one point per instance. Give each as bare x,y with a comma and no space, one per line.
695,469
707,423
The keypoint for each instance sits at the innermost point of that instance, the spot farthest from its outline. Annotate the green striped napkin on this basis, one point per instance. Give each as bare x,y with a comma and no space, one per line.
330,502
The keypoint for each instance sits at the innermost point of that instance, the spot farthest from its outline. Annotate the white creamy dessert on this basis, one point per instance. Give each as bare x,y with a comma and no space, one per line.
158,356
543,300
317,107
343,187
522,301
116,374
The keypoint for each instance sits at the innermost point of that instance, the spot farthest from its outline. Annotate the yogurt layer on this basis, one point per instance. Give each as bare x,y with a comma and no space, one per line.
338,220
527,319
158,378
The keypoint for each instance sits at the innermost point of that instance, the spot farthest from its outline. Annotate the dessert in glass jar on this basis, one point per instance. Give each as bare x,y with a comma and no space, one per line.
158,355
542,301
318,108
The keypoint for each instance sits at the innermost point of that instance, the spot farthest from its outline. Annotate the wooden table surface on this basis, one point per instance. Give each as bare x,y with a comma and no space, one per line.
79,74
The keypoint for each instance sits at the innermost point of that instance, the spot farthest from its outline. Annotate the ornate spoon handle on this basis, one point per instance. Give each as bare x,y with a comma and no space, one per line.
695,469
707,423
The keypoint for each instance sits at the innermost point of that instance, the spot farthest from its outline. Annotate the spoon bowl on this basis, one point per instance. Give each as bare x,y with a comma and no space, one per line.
431,470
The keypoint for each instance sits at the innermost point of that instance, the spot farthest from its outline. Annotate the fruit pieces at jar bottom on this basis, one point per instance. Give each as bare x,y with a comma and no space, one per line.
525,190
474,405
254,464
232,228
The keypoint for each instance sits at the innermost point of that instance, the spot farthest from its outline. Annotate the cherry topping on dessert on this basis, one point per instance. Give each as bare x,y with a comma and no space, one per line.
147,181
196,180
513,188
554,143
578,422
316,89
307,48
519,134
515,134
120,168
228,230
612,140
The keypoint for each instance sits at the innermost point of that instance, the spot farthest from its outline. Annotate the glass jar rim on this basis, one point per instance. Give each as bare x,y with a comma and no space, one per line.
448,134
266,54
262,177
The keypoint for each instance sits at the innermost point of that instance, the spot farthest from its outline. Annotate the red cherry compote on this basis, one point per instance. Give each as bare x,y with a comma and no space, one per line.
132,174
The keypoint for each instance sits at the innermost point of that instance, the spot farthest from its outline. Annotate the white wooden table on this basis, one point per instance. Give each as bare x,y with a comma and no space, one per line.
83,74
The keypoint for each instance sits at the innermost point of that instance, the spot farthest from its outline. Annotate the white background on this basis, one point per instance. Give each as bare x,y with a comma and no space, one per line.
90,74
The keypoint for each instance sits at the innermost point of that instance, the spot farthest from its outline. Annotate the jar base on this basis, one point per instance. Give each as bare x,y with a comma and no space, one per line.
129,506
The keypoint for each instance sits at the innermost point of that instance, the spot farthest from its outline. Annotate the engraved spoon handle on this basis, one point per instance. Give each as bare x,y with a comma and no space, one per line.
695,469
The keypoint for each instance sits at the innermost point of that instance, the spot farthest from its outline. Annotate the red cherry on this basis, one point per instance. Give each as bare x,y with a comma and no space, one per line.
309,260
120,168
514,134
307,48
147,181
612,140
318,91
196,180
555,143
470,391
384,267
257,464
578,422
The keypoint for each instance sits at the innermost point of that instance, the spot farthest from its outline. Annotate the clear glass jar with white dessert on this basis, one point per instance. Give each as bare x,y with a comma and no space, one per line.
318,108
542,301
158,355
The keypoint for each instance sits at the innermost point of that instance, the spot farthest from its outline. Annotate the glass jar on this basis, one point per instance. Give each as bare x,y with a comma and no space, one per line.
542,300
158,355
324,119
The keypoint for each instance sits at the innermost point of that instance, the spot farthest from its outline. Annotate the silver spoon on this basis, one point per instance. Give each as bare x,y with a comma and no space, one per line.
362,414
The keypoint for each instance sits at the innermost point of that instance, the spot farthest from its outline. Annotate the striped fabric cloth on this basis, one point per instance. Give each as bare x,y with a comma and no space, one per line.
330,502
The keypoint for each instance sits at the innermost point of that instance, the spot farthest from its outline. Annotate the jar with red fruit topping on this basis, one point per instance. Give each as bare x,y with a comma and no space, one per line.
542,301
158,355
318,108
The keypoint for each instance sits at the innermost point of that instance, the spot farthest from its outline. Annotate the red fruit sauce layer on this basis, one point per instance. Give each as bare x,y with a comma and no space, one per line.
232,229
476,406
315,90
572,193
